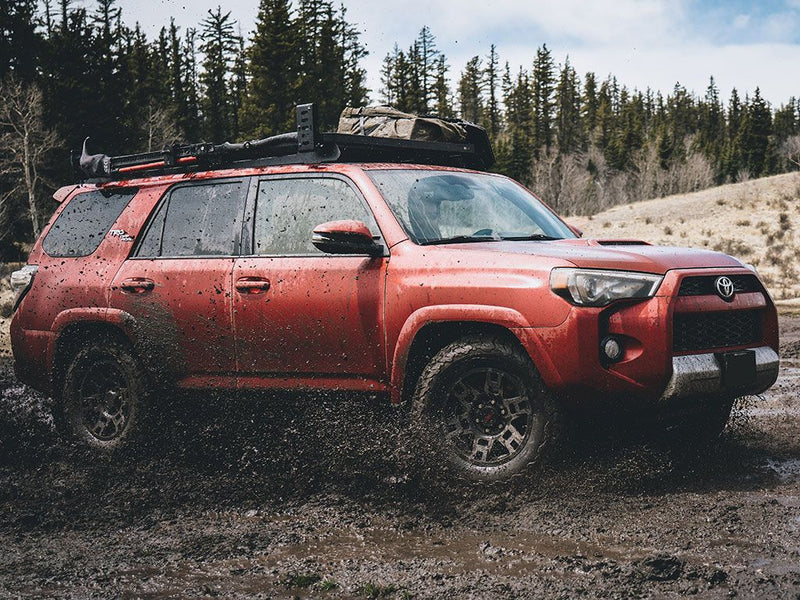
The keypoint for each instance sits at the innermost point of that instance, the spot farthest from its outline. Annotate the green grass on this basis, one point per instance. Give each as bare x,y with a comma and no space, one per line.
297,580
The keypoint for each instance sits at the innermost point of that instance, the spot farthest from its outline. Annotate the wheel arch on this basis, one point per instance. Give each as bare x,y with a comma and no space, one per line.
430,329
71,335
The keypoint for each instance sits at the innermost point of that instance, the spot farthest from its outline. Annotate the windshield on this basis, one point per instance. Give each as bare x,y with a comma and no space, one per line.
446,206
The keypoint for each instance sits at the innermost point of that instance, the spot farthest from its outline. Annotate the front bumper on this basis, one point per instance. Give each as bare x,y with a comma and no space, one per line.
701,375
652,369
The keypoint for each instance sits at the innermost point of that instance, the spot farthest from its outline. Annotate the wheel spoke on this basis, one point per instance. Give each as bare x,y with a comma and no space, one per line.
517,406
511,439
493,385
481,447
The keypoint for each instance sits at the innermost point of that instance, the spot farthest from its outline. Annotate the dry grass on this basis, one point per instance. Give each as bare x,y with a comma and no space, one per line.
754,221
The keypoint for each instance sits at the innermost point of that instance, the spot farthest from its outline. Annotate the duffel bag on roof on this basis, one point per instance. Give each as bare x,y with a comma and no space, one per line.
387,122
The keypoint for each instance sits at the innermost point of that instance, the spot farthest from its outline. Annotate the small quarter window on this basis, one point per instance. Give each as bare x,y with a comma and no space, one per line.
85,221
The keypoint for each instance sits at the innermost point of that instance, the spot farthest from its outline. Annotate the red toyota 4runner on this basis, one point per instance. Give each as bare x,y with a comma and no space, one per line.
453,290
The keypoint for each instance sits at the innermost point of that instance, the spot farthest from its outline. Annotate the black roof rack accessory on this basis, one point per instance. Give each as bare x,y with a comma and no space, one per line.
305,146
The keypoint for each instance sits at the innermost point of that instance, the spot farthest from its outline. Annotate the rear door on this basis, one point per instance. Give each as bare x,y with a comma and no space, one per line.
303,317
177,286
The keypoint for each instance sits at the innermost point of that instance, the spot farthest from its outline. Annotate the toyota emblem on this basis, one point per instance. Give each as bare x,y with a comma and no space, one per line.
725,288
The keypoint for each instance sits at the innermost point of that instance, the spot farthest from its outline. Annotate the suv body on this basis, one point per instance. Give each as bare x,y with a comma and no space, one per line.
210,280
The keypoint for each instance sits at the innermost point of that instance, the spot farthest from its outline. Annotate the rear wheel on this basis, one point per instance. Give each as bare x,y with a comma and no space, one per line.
103,404
480,405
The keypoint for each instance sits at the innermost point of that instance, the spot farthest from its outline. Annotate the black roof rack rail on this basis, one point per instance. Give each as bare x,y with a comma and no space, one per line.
306,146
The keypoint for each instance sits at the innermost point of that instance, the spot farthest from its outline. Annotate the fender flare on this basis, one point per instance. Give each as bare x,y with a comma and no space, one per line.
120,319
507,318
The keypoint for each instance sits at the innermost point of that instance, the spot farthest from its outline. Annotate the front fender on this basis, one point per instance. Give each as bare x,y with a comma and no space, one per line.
507,318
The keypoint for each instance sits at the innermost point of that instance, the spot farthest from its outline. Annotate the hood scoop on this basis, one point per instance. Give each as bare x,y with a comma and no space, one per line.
622,242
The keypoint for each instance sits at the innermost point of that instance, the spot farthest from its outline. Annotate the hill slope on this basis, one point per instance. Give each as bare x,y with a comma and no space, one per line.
757,221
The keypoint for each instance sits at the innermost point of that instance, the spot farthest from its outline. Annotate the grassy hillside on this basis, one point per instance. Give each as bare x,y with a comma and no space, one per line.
757,221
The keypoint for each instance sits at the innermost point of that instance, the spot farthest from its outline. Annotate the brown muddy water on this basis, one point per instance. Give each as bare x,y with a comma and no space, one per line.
311,498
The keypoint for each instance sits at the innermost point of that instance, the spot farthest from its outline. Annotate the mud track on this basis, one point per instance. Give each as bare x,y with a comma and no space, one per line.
309,498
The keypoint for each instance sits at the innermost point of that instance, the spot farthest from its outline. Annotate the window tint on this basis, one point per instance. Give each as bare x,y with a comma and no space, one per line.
288,210
85,221
197,220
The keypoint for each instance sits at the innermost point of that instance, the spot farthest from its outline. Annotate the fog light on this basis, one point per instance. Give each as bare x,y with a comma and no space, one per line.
612,348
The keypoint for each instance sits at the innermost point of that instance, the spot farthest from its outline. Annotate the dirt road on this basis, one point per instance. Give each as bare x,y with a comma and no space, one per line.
252,499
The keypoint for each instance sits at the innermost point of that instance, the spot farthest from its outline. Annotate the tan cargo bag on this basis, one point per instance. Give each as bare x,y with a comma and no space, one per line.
387,122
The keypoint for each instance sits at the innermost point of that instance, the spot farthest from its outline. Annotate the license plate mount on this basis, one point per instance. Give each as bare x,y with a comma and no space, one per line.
738,369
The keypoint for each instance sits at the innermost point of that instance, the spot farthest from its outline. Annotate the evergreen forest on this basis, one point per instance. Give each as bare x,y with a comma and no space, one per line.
582,142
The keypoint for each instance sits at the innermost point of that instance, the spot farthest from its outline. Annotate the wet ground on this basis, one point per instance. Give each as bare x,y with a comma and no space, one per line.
248,498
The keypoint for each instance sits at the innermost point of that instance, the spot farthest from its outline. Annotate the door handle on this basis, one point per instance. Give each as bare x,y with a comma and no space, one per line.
137,285
252,285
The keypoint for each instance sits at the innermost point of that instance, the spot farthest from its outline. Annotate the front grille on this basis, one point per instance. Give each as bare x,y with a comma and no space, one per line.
704,285
706,331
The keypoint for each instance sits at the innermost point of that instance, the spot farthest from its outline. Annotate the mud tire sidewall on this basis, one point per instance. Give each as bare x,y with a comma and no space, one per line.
433,386
69,405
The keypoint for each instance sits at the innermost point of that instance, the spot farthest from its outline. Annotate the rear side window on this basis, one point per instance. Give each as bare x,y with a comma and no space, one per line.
197,220
85,221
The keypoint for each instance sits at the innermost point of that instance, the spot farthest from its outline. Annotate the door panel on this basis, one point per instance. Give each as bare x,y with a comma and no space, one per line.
303,317
182,313
319,316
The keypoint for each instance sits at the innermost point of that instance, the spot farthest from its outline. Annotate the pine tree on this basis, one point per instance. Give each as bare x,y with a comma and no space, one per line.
470,91
19,42
219,45
427,55
492,78
190,122
754,137
786,122
239,89
568,110
71,102
272,68
441,90
542,95
589,103
711,128
389,91
354,76
519,111
178,98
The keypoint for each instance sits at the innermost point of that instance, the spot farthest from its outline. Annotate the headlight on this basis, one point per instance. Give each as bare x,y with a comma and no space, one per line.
587,287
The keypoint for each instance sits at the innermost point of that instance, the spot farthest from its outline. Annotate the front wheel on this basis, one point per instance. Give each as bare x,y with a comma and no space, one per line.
103,403
481,406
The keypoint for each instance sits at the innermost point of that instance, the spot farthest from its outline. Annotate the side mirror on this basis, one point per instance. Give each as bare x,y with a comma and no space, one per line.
575,230
345,237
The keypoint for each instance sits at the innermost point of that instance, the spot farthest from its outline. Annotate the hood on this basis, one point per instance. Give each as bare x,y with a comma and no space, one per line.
623,255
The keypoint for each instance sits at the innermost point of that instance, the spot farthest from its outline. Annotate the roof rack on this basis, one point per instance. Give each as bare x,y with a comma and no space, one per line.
306,146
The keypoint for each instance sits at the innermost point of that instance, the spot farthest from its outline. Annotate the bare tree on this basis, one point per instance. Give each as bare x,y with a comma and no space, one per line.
160,128
791,150
24,144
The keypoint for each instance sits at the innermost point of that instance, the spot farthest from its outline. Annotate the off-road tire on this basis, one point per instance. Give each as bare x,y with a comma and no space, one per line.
458,369
103,406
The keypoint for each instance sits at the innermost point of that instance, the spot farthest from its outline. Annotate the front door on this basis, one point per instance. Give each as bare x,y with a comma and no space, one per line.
302,317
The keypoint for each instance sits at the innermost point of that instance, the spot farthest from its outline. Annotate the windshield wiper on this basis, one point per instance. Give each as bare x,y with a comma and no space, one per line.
533,236
457,239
